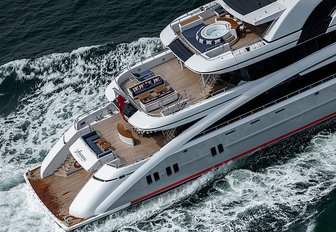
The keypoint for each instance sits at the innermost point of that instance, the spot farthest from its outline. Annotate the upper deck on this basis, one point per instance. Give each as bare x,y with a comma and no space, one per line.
211,31
187,88
215,38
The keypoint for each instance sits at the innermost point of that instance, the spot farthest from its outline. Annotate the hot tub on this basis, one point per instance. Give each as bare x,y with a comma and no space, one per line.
214,33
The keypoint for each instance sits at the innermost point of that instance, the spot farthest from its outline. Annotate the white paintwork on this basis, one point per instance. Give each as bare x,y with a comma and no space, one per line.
83,154
265,14
333,20
292,19
288,18
333,28
94,116
110,92
129,141
167,35
93,193
110,189
261,86
319,65
58,153
233,60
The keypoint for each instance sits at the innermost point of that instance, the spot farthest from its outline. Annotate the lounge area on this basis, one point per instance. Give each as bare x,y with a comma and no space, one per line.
98,144
91,150
152,92
128,146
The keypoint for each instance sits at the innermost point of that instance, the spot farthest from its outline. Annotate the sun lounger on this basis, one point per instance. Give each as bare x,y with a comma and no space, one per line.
143,75
145,86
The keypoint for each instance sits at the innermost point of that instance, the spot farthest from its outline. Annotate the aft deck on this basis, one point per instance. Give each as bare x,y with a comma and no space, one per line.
145,145
58,192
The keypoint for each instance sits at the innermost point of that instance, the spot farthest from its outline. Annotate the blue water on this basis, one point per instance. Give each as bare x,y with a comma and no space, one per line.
56,59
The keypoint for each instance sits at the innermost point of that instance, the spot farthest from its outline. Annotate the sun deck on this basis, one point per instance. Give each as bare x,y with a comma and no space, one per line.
145,145
58,192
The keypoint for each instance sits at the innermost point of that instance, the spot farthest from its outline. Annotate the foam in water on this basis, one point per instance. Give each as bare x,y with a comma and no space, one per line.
68,85
274,198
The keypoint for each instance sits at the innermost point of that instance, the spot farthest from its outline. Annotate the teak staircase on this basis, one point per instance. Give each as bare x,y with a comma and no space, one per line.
69,166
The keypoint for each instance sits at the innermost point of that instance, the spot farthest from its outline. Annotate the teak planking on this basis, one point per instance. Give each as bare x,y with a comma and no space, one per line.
145,146
58,192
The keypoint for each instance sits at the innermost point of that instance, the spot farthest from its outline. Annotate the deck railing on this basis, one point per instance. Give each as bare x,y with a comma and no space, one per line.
190,14
185,103
267,105
96,114
195,12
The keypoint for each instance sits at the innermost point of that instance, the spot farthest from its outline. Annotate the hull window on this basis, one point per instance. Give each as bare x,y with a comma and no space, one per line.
220,148
156,176
213,151
292,85
169,171
176,168
149,179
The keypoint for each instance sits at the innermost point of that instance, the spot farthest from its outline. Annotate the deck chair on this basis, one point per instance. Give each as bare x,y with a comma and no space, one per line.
143,75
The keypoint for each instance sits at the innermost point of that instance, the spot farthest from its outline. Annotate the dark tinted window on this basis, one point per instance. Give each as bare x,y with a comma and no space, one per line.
156,176
149,179
293,84
169,171
213,151
281,60
176,168
220,148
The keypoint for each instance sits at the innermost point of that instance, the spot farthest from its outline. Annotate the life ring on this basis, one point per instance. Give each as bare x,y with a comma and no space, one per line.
77,165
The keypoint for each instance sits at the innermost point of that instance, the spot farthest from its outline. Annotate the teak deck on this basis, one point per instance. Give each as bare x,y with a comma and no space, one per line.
176,77
180,79
145,146
58,192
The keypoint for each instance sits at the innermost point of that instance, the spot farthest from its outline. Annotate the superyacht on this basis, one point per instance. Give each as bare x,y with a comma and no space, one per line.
237,76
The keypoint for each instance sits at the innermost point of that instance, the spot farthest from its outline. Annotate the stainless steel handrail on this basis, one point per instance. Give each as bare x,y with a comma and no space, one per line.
190,102
268,105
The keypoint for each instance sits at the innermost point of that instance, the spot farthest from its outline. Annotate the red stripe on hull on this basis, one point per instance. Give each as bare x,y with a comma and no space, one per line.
231,159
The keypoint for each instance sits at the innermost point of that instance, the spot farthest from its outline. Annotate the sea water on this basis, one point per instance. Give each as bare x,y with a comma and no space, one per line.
57,57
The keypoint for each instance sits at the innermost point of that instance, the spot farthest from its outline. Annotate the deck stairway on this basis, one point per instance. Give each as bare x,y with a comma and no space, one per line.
169,134
207,82
69,166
